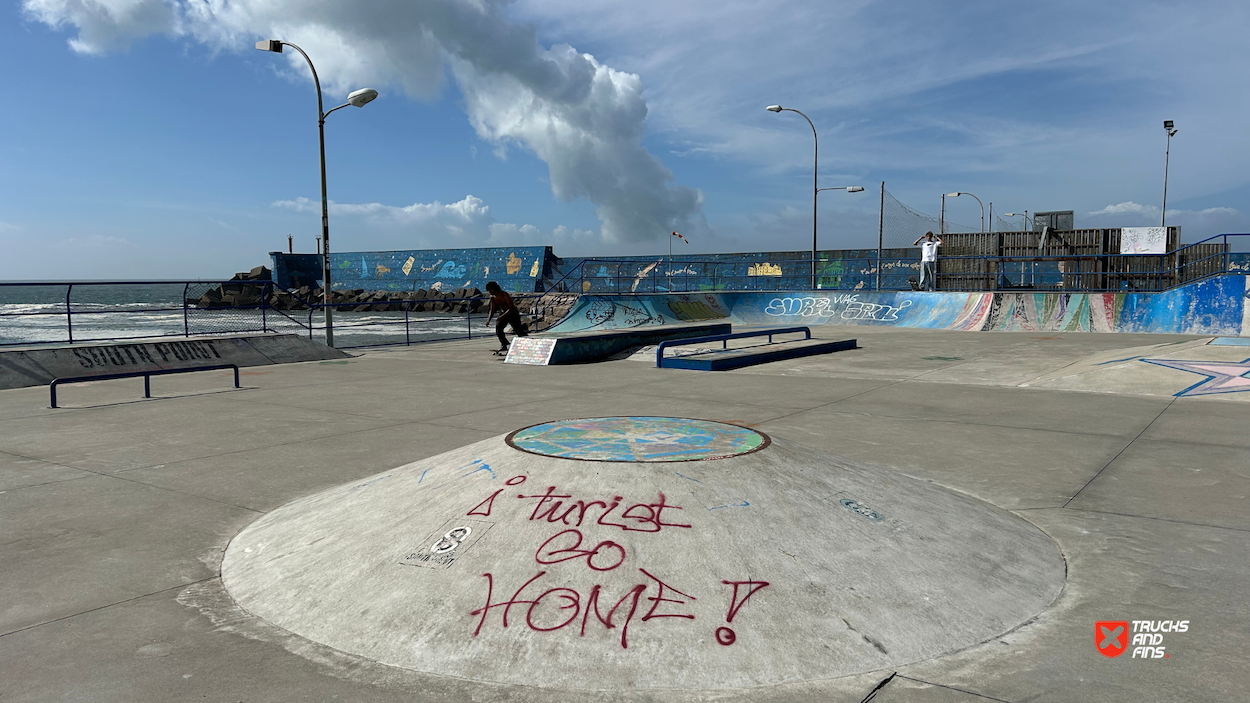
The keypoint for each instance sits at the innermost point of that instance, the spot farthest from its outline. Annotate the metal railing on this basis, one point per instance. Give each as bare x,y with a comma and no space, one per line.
1061,272
78,312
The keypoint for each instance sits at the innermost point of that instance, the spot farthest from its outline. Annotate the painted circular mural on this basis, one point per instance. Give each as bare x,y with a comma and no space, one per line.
638,439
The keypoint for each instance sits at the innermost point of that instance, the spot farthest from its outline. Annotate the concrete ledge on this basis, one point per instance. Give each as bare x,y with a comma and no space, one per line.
600,344
37,366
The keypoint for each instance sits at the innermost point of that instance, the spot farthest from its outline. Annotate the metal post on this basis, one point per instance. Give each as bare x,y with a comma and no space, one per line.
1167,156
147,386
186,320
880,233
264,307
815,186
325,205
69,325
942,217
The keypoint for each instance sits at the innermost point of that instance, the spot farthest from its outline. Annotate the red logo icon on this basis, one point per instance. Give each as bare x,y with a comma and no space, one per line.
1111,636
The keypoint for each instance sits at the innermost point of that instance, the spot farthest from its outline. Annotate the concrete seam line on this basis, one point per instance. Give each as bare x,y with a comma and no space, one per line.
184,493
1152,517
107,605
1117,456
873,693
953,688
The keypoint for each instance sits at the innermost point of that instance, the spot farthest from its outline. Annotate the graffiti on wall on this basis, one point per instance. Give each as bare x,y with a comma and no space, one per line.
846,307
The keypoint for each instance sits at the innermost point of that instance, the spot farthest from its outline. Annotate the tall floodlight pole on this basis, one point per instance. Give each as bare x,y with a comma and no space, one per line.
880,233
358,98
956,195
1167,156
815,172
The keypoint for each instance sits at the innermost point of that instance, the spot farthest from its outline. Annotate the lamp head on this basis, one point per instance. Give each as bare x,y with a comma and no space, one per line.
953,195
854,189
1012,214
270,45
362,97
1167,124
773,108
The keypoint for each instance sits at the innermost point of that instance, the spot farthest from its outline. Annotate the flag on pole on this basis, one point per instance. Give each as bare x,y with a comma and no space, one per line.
681,237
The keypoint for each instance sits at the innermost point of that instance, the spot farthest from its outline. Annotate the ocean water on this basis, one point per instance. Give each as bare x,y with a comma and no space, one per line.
48,313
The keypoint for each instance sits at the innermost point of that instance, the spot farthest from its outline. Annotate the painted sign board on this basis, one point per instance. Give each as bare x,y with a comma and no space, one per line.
531,351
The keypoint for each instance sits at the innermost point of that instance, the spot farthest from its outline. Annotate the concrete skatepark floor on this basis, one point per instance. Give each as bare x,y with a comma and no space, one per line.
116,511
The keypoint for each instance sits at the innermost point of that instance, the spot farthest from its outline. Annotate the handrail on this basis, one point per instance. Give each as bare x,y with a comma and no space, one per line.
147,377
724,339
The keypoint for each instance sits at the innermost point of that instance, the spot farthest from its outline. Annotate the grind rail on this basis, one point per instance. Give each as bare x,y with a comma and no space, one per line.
147,377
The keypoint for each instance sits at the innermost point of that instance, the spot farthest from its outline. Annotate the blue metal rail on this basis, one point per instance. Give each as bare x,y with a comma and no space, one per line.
147,377
749,356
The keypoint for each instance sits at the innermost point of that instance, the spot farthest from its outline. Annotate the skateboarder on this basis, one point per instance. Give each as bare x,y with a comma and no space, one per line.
502,303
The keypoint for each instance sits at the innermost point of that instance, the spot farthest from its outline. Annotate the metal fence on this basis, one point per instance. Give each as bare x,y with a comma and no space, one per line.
1064,261
70,312
76,312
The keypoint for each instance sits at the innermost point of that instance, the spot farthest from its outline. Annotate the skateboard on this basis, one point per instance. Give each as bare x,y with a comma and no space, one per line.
499,352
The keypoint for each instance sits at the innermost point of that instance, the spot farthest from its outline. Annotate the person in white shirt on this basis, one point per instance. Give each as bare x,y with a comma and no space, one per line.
928,244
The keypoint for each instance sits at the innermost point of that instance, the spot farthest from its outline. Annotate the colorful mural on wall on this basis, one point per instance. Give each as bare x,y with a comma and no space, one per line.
1212,306
518,269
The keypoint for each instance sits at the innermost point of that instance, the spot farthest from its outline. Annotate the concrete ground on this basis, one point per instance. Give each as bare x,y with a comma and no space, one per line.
115,511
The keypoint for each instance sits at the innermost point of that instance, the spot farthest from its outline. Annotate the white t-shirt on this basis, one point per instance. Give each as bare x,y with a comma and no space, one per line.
928,251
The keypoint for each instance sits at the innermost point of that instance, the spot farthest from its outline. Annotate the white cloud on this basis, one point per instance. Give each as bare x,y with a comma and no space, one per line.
584,119
95,241
1194,224
1127,206
9,227
467,222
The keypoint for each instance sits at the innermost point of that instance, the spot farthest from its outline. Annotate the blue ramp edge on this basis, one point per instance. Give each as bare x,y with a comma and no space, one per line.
1231,341
593,346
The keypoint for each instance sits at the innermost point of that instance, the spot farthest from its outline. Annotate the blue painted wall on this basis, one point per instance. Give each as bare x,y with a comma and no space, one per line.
520,269
1215,306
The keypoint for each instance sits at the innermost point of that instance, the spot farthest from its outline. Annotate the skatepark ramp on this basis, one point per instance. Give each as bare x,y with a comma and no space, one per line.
642,554
573,347
1216,306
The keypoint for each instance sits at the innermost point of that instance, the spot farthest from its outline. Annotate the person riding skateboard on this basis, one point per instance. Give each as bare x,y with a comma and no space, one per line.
502,303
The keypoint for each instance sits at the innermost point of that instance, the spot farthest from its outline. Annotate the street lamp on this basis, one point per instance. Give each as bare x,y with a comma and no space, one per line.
956,195
358,98
1024,214
1167,127
815,188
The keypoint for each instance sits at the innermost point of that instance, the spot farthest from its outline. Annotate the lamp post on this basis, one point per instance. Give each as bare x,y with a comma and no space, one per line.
815,171
1025,215
815,187
358,98
956,195
1167,127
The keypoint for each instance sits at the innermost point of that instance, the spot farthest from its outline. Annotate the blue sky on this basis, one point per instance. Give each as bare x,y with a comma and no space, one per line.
148,139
